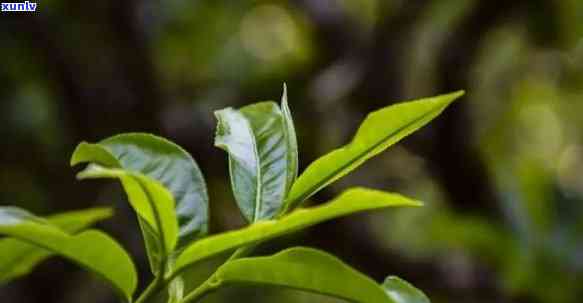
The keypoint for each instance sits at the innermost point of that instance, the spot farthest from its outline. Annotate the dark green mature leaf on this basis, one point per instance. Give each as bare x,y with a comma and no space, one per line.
170,165
18,258
304,269
351,201
259,157
402,292
291,140
92,249
379,130
163,161
152,202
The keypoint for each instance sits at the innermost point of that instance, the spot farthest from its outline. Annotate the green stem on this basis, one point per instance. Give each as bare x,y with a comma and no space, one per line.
200,292
151,290
211,284
204,289
241,252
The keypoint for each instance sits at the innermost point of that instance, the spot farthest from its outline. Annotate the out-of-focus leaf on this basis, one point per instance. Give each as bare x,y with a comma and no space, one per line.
351,201
91,249
401,291
18,258
379,130
259,157
304,269
152,202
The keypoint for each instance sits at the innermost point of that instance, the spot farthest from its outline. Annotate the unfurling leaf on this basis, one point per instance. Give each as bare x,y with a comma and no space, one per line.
291,141
262,157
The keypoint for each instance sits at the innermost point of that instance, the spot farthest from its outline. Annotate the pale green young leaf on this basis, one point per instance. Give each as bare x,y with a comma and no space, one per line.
379,130
94,153
18,258
91,249
153,203
255,137
351,201
303,269
402,291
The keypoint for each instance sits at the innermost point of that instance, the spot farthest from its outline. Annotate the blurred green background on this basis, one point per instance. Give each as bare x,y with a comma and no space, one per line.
501,171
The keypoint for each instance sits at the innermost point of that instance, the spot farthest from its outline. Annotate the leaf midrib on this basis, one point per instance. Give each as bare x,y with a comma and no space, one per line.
258,194
241,282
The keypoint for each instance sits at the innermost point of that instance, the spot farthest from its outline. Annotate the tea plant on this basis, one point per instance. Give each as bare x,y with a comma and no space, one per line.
168,193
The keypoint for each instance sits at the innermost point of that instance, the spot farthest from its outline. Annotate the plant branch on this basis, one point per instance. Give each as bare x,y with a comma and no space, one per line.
211,284
203,290
206,287
152,289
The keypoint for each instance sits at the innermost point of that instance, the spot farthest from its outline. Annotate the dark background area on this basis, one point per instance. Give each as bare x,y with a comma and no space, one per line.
501,171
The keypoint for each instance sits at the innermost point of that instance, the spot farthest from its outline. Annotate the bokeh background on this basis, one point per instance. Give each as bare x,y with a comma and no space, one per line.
501,171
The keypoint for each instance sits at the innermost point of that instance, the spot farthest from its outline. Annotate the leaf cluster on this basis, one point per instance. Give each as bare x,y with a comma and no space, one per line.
167,191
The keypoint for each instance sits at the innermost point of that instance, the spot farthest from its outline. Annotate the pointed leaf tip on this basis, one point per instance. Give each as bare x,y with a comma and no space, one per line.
456,94
380,130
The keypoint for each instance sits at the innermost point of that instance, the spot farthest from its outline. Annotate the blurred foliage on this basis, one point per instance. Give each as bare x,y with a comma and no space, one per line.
526,105
86,70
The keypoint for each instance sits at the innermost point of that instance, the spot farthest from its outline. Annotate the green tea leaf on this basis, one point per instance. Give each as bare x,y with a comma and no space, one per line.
351,201
256,139
304,269
163,161
402,292
379,130
168,164
152,202
291,140
91,249
18,258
